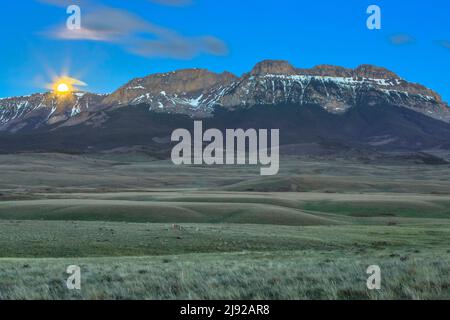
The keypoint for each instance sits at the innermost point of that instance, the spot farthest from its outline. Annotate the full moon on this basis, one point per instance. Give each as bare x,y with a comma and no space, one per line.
62,88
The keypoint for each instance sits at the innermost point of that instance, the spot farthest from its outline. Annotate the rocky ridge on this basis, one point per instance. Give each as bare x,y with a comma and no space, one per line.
196,92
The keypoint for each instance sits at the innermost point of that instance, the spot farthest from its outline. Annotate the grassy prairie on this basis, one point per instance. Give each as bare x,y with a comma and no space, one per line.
307,274
22,175
223,261
85,238
149,211
309,233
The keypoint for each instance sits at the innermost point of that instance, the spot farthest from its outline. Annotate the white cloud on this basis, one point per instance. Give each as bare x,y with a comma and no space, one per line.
134,34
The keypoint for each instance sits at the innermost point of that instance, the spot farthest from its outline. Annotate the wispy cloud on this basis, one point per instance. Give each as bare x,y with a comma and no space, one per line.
401,39
177,47
134,34
445,44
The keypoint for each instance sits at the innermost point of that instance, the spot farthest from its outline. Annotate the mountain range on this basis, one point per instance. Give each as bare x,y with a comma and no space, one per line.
365,107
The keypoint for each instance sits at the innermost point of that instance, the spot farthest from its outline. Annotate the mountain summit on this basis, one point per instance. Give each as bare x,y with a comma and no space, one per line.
181,91
273,67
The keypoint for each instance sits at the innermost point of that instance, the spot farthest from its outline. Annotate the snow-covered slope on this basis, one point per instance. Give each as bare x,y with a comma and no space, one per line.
336,89
186,91
40,109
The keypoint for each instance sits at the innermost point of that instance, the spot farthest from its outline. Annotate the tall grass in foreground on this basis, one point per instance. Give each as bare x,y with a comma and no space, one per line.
251,275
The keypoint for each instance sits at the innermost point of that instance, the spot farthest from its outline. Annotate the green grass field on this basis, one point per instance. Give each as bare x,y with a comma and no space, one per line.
299,236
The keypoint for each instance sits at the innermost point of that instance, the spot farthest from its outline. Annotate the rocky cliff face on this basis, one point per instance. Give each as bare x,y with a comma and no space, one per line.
196,92
185,91
336,89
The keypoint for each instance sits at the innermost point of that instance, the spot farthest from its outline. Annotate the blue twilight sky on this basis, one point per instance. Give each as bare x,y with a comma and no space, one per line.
121,40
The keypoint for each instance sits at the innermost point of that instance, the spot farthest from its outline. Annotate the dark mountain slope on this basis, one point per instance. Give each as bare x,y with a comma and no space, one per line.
380,127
